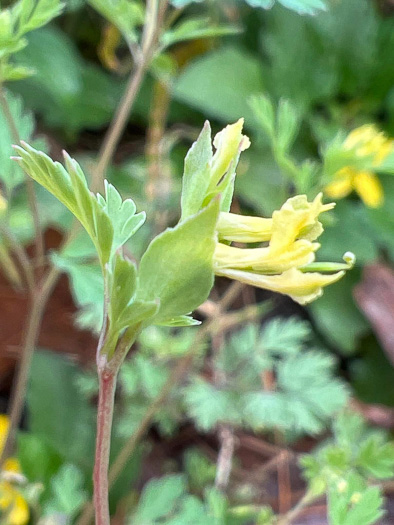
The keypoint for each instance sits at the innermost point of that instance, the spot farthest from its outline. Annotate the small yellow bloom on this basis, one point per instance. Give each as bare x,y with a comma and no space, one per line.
226,142
301,287
13,507
286,264
371,148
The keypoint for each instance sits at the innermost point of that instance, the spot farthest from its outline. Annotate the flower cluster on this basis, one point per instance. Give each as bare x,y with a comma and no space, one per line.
368,150
285,264
13,506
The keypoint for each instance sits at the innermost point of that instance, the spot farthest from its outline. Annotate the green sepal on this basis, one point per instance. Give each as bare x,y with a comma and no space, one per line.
177,267
196,175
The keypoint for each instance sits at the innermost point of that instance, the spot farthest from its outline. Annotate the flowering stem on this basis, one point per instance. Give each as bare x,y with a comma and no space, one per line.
107,385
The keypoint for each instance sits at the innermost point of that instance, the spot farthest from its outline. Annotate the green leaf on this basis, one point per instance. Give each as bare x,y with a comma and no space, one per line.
11,72
284,336
355,504
208,405
287,125
137,312
195,28
126,15
122,286
87,284
34,14
213,85
39,462
196,174
67,91
159,498
289,40
124,220
58,413
69,186
377,457
264,112
177,267
68,495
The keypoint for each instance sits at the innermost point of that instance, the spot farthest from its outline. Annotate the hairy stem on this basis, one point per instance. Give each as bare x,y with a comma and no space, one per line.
38,304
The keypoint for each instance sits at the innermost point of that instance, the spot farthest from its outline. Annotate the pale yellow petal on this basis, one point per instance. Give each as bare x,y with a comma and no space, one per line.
301,287
228,143
265,260
368,186
19,512
4,425
242,228
342,184
6,495
12,465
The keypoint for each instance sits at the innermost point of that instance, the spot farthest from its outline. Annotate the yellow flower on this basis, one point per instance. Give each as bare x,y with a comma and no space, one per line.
371,148
286,264
301,287
226,142
13,507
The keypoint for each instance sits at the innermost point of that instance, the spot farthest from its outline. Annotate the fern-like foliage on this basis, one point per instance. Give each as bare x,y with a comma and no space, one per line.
306,393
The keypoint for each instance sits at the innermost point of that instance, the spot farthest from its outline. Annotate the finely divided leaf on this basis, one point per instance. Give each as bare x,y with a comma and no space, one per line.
108,221
69,186
122,215
284,336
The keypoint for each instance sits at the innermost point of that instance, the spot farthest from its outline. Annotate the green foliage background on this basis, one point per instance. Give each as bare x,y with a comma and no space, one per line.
321,75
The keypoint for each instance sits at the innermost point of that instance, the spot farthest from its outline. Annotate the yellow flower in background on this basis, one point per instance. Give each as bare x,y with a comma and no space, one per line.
371,147
13,507
286,264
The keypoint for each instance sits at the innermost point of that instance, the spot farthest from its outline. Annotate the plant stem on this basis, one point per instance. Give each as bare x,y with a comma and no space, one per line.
287,518
31,194
38,304
176,376
225,457
107,385
121,116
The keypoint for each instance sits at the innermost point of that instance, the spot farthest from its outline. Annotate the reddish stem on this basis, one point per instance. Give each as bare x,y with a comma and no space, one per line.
107,381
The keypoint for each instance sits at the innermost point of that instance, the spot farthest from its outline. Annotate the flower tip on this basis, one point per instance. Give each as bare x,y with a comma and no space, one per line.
350,259
245,143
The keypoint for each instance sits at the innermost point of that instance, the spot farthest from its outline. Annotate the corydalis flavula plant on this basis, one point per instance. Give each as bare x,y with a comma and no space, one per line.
176,272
